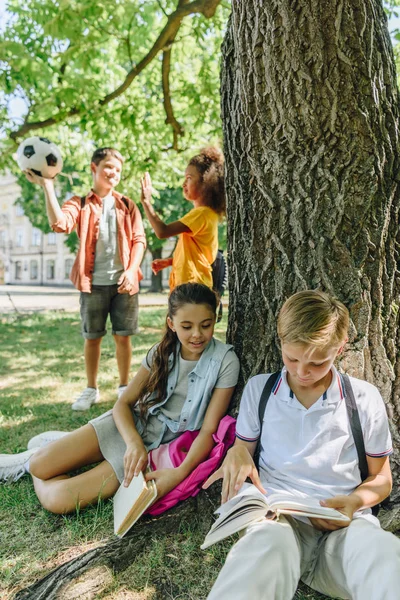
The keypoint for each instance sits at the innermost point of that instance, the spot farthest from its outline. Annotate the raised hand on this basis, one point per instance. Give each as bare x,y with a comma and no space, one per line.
37,179
146,189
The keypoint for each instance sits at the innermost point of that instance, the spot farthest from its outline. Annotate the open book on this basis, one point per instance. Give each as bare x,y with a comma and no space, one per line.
250,505
131,502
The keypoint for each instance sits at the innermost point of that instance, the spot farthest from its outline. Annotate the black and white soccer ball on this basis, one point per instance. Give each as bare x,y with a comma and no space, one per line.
41,156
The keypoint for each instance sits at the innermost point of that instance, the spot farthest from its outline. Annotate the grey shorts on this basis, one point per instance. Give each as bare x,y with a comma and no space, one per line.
104,300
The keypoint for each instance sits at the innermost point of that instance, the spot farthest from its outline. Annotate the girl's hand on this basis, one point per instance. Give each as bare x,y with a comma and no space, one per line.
160,263
165,480
147,189
344,504
135,460
37,179
237,466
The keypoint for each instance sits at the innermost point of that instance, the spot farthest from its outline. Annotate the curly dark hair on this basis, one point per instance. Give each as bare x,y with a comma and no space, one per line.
210,165
187,293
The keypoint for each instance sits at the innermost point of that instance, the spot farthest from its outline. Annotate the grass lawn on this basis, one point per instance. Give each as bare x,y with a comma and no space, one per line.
41,371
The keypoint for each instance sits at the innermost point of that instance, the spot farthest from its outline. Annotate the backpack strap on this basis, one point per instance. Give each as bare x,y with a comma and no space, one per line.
265,394
355,424
83,200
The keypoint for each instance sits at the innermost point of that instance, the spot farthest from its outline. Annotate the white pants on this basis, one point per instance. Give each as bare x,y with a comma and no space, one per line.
359,562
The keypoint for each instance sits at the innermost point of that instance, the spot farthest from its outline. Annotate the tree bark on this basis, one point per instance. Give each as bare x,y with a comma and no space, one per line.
156,280
310,115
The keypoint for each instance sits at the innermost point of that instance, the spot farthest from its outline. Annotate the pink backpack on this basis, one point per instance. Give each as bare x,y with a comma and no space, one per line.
171,455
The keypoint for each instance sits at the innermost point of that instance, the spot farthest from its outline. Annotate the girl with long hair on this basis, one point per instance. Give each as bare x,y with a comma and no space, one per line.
185,383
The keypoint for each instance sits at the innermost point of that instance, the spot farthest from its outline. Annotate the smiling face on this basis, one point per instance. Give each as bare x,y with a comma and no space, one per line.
194,326
192,184
106,175
308,367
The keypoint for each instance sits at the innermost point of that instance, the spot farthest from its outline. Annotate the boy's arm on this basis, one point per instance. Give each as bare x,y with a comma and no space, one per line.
129,280
59,221
236,468
370,492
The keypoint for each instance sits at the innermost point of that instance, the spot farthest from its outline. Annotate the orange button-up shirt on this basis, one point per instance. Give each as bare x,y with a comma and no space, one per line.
86,221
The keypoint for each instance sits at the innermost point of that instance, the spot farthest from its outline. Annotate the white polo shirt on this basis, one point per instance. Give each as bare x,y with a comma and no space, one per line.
312,451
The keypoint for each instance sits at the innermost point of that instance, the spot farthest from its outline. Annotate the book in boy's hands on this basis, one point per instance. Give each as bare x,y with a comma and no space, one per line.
131,502
250,506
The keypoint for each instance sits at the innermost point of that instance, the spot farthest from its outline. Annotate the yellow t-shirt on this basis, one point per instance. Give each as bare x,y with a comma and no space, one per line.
196,250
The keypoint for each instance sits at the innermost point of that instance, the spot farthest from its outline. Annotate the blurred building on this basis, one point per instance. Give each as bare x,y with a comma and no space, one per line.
30,257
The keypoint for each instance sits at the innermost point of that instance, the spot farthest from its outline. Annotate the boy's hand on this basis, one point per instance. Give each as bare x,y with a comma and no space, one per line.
160,263
127,282
135,460
237,466
344,504
165,480
38,180
147,189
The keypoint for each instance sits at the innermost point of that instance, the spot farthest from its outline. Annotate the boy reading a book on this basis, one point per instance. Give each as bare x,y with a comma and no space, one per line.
307,448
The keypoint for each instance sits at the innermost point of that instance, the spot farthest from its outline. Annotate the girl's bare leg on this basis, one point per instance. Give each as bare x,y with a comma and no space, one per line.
61,494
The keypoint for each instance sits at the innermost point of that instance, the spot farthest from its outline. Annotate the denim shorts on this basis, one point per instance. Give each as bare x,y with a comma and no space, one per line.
104,300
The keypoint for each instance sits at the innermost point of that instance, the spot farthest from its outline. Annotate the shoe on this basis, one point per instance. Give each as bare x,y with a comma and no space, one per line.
12,466
121,390
88,397
42,439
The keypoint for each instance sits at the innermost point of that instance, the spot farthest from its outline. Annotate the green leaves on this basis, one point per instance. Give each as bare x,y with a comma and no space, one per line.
64,57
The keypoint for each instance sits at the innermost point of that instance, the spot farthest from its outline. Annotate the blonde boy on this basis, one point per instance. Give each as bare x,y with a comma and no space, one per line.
307,448
106,269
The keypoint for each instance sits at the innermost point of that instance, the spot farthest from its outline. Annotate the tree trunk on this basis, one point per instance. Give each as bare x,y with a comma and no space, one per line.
156,280
310,115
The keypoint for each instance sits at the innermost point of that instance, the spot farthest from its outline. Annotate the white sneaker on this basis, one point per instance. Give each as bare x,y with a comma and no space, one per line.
42,439
88,397
121,390
12,466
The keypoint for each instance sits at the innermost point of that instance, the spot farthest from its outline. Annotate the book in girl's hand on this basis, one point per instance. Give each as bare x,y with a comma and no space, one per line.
250,505
131,502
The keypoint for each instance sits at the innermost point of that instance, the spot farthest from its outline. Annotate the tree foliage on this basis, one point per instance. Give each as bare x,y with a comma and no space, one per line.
141,75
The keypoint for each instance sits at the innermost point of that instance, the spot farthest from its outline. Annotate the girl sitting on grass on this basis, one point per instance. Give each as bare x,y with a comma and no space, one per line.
197,230
184,383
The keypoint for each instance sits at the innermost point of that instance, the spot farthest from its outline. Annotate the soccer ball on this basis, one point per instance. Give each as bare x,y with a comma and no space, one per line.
41,156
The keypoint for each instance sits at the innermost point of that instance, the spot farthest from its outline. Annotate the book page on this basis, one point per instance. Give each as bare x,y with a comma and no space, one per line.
131,502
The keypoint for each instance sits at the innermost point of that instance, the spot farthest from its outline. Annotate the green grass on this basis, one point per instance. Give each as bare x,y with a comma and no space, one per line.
41,371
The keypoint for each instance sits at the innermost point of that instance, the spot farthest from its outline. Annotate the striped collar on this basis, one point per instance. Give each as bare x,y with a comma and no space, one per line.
333,395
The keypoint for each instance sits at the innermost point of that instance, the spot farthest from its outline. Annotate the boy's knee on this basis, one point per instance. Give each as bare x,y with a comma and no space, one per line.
273,538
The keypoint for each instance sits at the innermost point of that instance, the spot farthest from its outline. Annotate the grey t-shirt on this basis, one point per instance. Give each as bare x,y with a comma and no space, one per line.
227,377
108,267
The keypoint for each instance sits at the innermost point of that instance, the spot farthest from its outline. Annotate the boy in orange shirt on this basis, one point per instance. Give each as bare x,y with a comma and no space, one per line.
107,265
197,231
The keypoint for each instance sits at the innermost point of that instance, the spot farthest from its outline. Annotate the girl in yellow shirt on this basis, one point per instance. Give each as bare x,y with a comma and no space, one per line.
197,231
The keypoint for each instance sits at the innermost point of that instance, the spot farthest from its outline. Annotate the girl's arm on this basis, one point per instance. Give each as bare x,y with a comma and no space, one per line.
161,229
167,479
135,458
237,466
